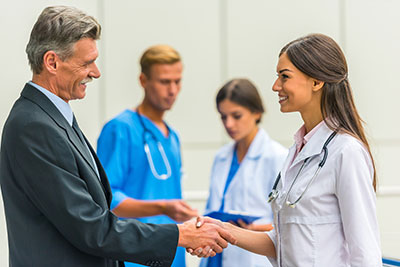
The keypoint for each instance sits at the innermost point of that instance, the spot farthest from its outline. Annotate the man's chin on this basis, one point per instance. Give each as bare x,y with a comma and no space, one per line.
167,107
80,96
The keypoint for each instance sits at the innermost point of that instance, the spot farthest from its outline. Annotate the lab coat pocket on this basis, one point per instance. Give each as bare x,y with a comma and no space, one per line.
300,249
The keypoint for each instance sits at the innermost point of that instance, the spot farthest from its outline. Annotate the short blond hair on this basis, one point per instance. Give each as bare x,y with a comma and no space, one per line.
158,54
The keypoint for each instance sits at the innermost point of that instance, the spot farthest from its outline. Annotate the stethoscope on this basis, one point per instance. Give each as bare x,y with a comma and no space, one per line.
275,193
163,176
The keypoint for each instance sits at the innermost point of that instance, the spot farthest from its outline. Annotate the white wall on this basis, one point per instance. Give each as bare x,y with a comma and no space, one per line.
219,40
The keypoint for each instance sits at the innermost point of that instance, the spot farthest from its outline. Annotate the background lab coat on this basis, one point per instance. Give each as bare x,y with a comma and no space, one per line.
248,190
335,223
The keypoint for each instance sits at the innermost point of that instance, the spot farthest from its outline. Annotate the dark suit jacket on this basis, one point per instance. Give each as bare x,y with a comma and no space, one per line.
57,210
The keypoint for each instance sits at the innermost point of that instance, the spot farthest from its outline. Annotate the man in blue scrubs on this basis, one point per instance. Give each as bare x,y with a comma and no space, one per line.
146,183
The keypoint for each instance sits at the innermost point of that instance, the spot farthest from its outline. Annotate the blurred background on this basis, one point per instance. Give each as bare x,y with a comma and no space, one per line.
219,40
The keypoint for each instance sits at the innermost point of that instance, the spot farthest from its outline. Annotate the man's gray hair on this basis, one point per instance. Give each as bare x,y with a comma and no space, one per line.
57,29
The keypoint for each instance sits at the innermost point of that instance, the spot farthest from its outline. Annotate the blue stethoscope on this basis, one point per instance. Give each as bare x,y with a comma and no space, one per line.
275,193
163,176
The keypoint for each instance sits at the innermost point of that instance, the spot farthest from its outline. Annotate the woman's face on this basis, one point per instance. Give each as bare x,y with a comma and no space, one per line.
296,90
239,121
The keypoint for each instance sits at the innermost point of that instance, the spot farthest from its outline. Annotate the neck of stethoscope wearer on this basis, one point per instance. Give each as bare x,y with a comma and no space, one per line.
275,193
147,151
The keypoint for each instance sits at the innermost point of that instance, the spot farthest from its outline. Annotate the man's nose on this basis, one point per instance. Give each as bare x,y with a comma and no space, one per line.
95,72
174,88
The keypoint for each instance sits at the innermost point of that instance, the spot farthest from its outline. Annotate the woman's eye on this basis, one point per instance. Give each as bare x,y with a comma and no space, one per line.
223,117
237,117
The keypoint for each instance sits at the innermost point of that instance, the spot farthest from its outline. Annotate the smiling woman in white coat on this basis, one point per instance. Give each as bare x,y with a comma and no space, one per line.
243,170
324,200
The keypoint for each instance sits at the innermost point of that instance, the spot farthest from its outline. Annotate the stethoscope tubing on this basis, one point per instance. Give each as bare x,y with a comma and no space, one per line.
147,151
274,192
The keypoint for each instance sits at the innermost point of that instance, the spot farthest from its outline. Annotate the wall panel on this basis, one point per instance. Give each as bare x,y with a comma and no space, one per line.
373,56
257,30
189,26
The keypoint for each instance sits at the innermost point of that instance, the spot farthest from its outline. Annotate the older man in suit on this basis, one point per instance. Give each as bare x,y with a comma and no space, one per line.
56,194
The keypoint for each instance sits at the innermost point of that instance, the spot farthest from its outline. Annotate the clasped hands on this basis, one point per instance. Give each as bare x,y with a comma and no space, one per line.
204,237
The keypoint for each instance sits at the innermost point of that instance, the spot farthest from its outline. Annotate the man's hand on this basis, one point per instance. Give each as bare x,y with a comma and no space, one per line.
208,239
204,251
254,241
179,210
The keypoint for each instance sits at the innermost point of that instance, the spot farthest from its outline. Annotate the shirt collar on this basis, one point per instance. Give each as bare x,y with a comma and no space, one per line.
61,105
301,138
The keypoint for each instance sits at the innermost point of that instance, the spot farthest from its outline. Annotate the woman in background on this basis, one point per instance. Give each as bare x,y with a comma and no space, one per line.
244,170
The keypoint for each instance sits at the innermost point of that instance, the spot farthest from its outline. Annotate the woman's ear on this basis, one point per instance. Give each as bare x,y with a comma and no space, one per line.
317,85
258,116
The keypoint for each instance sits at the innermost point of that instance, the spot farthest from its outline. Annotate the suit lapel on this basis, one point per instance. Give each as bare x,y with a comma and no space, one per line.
102,173
51,110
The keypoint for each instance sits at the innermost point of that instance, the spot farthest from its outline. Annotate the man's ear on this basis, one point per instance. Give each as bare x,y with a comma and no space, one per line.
50,61
143,79
317,85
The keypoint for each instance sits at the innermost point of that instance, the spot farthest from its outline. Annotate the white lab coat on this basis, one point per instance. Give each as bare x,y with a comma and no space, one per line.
335,222
248,190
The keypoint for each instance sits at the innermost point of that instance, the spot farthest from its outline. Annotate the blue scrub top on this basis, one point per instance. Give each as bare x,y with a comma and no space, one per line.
120,149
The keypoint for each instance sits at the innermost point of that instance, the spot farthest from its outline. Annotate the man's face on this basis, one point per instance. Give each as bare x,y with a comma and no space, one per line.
163,85
77,70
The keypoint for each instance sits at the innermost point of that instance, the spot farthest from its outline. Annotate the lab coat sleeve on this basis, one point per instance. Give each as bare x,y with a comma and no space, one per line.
357,202
113,152
272,235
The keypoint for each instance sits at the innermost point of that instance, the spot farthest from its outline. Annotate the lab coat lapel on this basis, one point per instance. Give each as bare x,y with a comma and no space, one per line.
286,166
246,166
314,145
223,163
256,147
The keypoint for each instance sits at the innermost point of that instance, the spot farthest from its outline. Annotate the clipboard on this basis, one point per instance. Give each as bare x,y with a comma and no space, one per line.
233,216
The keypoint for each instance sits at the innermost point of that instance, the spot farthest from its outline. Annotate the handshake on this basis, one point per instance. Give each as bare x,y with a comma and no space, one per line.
205,236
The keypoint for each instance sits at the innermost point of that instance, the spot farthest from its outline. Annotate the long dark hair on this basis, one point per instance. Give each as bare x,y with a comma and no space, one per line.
242,92
321,58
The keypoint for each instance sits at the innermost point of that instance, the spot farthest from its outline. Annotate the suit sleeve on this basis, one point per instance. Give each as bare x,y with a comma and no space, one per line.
47,169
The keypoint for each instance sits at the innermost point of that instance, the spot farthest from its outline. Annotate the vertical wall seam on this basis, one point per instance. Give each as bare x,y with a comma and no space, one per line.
223,22
223,46
102,82
342,24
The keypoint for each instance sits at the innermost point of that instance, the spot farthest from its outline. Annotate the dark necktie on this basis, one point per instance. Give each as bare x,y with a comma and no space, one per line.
78,131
